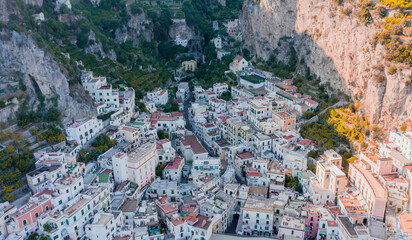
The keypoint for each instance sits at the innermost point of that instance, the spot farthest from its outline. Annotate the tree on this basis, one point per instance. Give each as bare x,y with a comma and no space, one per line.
312,167
365,16
227,96
9,149
313,154
135,8
161,134
381,11
159,169
9,197
47,227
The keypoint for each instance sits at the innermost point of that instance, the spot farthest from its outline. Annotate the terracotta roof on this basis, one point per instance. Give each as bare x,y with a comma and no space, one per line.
194,144
177,114
305,142
46,191
253,190
106,171
253,174
311,101
203,222
238,58
175,164
405,220
245,155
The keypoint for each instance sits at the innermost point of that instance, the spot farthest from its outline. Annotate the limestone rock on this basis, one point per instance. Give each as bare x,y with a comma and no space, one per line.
43,77
337,48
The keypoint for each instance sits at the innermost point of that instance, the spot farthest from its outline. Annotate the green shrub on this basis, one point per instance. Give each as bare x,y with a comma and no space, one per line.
381,11
365,16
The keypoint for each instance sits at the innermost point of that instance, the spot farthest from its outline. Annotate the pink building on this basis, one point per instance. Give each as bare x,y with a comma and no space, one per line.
312,223
378,164
333,157
142,164
331,177
26,216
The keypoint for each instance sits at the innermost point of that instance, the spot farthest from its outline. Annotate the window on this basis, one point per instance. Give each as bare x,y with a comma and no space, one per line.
36,215
24,222
74,218
257,221
257,215
47,208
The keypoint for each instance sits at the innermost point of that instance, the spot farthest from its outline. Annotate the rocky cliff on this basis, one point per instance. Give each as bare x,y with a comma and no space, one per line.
337,48
23,61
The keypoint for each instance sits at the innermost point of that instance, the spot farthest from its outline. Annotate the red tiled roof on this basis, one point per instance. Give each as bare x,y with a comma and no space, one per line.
310,101
305,142
253,174
106,171
238,58
245,155
46,191
175,164
177,114
192,141
163,141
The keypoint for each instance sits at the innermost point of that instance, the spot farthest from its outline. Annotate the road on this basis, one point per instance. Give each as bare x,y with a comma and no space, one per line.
189,126
104,130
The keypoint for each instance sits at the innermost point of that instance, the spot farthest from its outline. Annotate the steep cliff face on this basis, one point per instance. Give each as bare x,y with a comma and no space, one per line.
22,60
337,48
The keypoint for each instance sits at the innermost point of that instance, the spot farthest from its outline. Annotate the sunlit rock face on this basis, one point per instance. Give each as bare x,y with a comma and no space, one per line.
337,48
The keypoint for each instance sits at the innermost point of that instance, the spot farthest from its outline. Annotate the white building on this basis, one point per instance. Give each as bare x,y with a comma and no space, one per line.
5,210
158,96
257,217
217,42
238,64
120,170
404,143
181,42
104,226
69,221
82,131
220,88
43,177
173,170
67,188
206,167
165,152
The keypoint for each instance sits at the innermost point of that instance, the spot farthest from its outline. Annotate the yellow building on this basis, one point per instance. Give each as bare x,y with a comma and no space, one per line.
189,65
